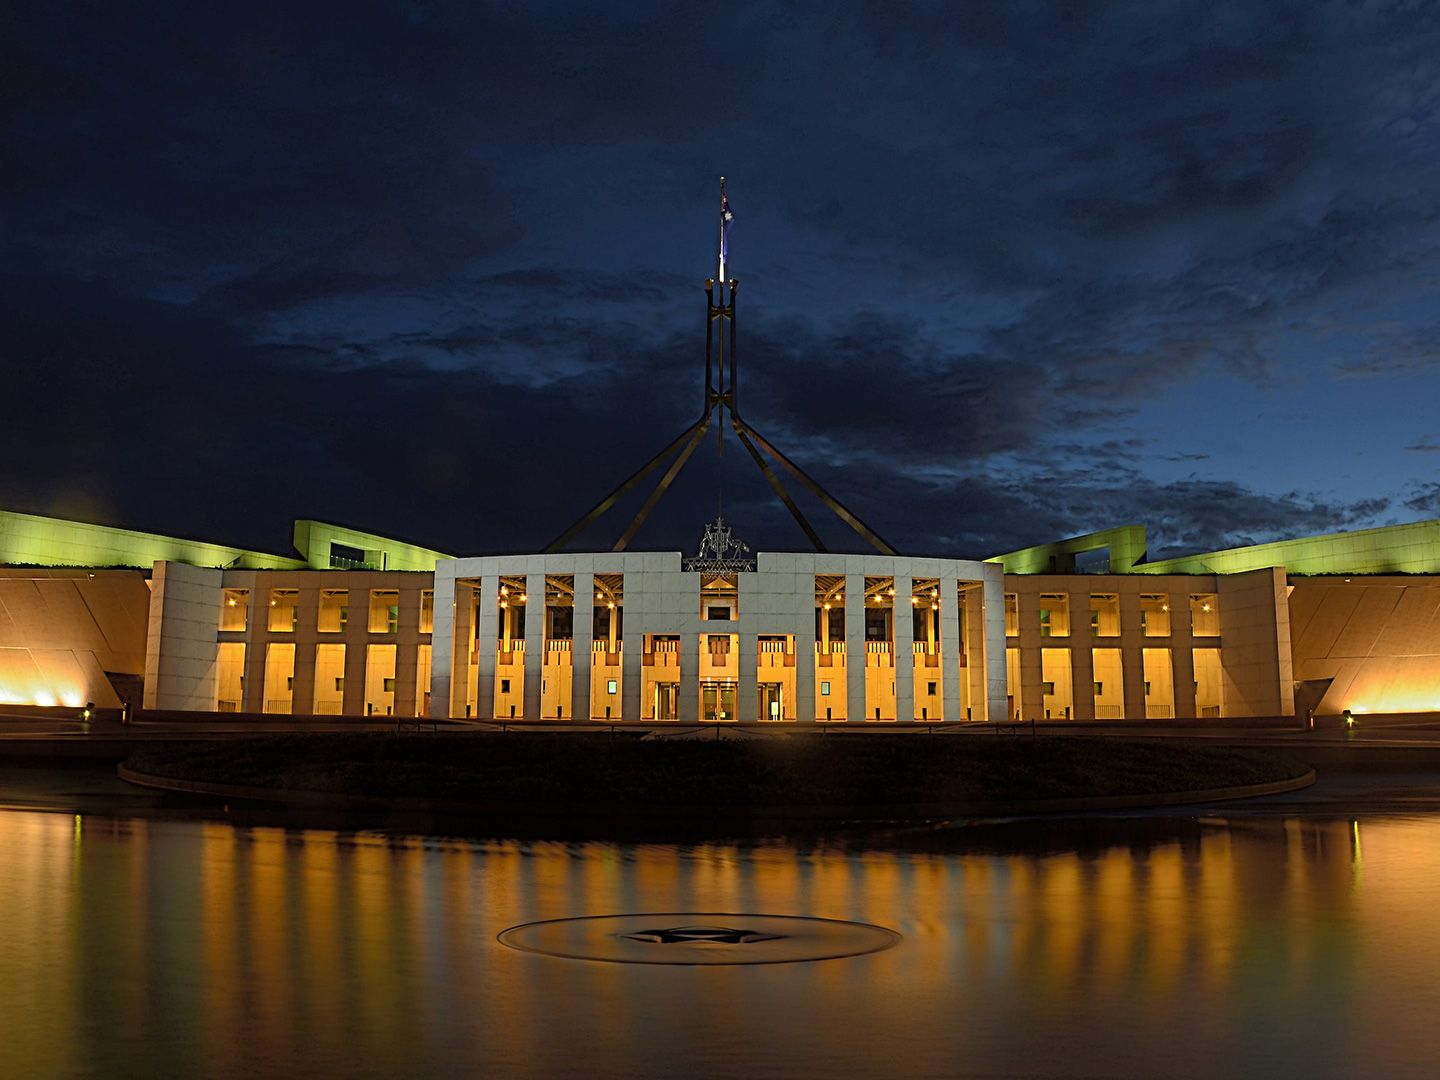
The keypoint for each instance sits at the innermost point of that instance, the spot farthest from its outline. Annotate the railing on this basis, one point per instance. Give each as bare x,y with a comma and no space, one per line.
834,647
1159,712
774,647
665,646
1109,712
603,645
558,645
877,646
278,705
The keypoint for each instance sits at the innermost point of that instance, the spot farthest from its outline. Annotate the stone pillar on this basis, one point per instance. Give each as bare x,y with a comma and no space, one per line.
1029,642
855,658
442,641
534,645
689,708
948,626
407,653
747,686
994,591
902,624
1182,656
486,612
632,649
1132,656
357,655
307,623
805,669
582,652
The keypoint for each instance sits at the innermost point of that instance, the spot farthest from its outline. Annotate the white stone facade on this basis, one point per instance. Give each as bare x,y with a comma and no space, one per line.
777,599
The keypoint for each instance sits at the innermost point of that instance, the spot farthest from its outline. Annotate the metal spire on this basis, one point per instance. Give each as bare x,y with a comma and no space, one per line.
721,394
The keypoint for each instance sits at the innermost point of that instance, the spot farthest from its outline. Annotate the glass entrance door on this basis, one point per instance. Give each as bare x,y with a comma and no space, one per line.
717,700
772,701
667,701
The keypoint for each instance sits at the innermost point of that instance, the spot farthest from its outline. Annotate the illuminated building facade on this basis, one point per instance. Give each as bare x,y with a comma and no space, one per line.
357,625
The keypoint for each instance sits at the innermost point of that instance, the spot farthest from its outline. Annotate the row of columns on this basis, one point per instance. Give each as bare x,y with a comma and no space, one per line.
1131,642
455,607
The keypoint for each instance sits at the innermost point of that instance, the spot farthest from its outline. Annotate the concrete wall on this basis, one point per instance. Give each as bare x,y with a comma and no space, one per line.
180,654
1376,640
61,630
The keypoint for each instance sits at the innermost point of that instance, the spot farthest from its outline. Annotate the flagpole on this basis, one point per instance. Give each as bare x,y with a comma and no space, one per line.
720,250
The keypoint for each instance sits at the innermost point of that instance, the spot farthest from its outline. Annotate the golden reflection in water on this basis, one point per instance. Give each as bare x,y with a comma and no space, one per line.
1183,948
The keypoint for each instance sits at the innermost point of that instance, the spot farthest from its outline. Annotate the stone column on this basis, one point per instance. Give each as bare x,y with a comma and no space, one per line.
535,645
805,665
994,591
902,623
484,622
352,702
632,649
1182,656
689,710
855,657
407,652
582,646
442,641
1132,656
948,624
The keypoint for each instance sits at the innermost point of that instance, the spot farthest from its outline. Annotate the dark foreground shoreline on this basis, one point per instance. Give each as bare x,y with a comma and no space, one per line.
602,783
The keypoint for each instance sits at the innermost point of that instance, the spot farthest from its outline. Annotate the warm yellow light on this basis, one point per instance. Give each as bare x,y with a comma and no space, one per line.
230,602
892,590
523,598
599,596
611,605
1205,607
503,604
914,600
504,590
827,607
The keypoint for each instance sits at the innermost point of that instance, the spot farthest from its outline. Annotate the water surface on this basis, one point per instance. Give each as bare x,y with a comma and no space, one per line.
1270,944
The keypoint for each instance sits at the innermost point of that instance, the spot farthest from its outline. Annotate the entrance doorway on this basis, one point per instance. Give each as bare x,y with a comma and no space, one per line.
717,700
667,701
772,701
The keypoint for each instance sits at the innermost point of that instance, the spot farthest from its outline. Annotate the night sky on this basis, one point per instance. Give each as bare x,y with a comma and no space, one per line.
1009,272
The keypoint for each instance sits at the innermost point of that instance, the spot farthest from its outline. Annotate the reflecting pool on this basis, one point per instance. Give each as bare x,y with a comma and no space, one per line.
1121,946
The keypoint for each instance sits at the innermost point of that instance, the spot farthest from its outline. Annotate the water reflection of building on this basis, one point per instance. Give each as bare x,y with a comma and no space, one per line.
355,624
203,942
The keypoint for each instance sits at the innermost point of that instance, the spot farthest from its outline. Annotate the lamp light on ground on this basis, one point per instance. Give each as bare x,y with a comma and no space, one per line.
1349,720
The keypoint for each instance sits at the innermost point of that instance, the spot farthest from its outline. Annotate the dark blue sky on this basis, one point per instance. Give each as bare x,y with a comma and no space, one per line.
1010,272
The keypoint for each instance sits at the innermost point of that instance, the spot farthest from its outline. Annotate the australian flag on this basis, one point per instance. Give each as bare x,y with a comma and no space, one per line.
726,217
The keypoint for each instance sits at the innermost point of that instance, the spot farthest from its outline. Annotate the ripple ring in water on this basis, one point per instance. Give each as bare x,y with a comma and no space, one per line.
699,938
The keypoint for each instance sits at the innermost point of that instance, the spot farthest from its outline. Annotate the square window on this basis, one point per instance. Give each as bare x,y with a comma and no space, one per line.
340,683
932,689
610,686
504,686
388,686
824,689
